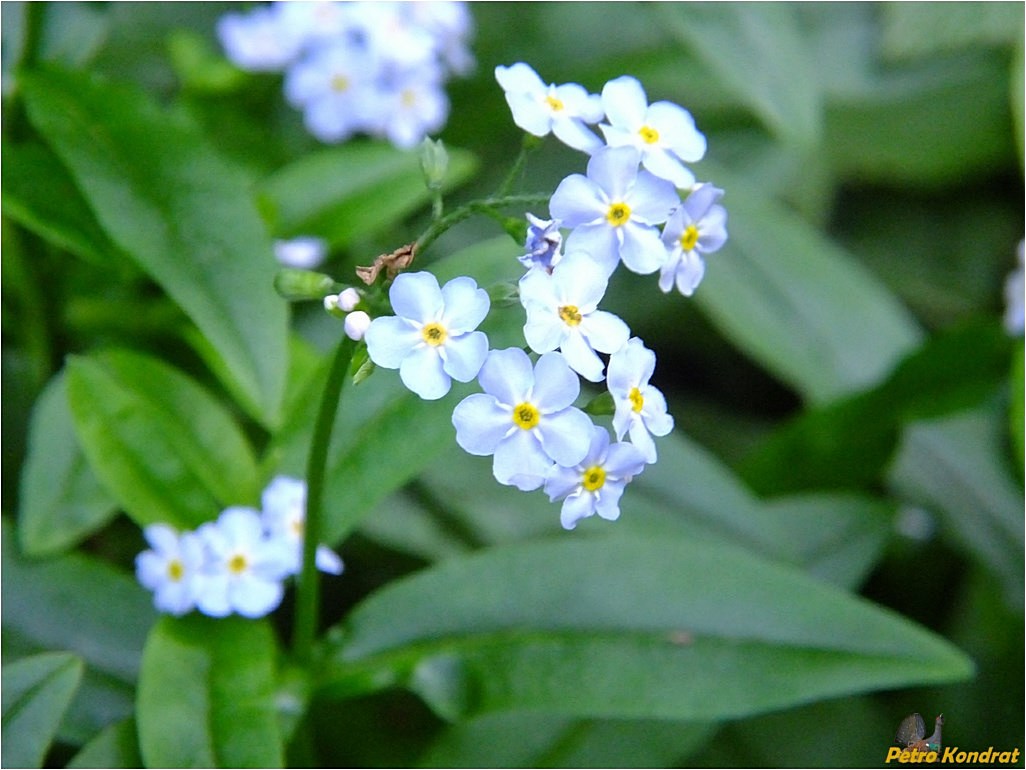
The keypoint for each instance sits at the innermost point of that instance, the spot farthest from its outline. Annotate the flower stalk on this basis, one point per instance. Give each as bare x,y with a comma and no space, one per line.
308,587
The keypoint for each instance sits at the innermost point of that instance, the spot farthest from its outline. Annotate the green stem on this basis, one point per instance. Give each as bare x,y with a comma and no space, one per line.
482,206
308,588
529,144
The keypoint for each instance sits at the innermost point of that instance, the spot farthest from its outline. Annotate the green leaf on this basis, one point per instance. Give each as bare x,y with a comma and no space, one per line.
39,194
848,443
524,739
179,210
206,694
84,605
115,746
61,500
358,189
799,304
36,692
911,30
626,627
129,411
769,67
953,466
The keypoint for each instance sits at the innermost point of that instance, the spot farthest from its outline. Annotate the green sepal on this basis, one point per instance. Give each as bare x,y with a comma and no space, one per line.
297,285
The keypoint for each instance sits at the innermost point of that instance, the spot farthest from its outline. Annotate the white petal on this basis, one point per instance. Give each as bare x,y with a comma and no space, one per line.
599,242
481,424
555,385
328,561
508,375
581,358
607,504
390,339
519,77
625,102
566,435
528,114
614,170
520,461
643,441
151,570
652,199
623,461
174,598
464,355
580,281
422,372
606,332
253,598
665,166
573,133
561,481
677,130
465,304
576,507
642,251
576,201
543,331
416,296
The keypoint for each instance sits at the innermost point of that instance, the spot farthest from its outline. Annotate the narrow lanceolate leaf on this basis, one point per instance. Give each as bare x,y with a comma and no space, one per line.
61,499
115,746
798,303
630,628
163,445
185,215
86,606
36,692
206,694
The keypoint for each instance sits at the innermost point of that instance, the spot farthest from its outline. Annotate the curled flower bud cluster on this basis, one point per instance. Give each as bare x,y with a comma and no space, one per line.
351,67
236,564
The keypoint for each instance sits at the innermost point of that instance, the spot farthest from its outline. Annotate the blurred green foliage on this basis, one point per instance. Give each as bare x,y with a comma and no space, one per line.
832,538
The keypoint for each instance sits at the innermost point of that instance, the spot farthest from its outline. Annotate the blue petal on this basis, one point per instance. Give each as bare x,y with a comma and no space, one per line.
481,424
555,385
520,461
507,374
416,296
566,435
465,304
422,372
464,355
389,340
577,201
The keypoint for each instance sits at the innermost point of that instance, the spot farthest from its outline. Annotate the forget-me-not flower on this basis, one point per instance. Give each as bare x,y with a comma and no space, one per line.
697,227
562,312
264,40
640,407
544,244
431,338
539,108
170,567
283,510
304,252
1014,283
614,211
245,568
524,418
595,484
664,133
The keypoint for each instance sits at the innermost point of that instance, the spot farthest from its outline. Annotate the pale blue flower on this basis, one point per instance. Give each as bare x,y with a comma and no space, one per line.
283,511
562,312
640,407
540,109
431,338
696,228
543,244
407,107
170,568
244,569
524,418
614,211
595,484
262,40
304,252
664,133
1014,300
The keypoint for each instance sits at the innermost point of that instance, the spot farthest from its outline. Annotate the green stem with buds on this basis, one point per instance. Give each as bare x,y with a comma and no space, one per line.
488,206
307,589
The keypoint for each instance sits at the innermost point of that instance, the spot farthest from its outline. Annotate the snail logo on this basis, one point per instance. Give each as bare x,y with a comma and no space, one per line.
915,748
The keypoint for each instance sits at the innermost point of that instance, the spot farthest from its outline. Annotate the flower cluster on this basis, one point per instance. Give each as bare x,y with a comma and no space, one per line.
628,209
236,564
376,68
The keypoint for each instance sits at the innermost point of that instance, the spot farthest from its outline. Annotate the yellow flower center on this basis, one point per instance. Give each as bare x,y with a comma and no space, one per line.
339,83
649,135
593,478
297,525
618,214
570,315
237,563
556,105
637,400
689,238
408,98
526,415
175,570
434,334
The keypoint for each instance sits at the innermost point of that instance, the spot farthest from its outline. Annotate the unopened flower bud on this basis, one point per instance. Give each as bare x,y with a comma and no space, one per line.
356,324
348,299
434,161
295,284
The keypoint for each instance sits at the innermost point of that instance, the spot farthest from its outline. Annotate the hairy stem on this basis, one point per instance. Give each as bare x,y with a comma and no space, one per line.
488,206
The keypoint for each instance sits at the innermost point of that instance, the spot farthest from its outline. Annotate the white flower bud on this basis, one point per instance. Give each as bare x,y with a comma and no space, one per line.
348,299
356,324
